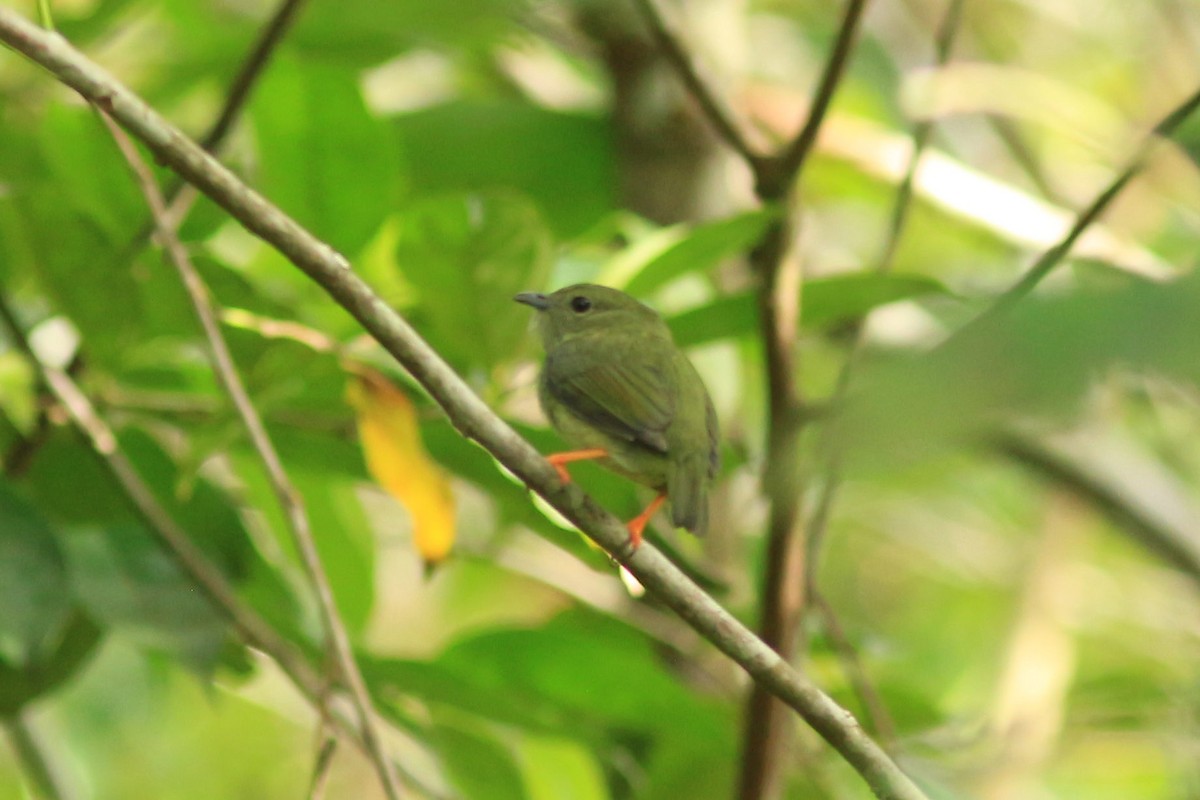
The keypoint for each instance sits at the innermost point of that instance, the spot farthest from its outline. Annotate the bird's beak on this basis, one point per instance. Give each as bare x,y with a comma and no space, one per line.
535,299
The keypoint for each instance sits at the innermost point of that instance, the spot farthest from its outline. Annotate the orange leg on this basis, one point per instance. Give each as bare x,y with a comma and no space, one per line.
638,523
559,460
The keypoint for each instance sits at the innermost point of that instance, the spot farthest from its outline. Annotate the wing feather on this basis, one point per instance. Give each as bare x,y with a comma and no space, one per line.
627,392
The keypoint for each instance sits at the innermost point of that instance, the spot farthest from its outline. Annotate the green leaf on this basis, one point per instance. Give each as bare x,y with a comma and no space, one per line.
826,301
68,648
557,768
478,765
467,257
698,250
70,483
325,159
362,33
1034,361
125,580
562,162
34,593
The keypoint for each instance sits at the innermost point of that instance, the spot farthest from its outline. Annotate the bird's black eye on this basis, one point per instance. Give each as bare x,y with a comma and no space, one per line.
580,303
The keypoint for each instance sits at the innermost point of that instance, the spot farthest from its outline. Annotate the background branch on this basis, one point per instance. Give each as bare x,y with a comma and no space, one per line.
766,728
467,412
1045,264
337,640
221,595
725,120
788,165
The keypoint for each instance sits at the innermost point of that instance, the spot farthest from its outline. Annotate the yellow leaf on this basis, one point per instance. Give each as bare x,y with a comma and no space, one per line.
396,458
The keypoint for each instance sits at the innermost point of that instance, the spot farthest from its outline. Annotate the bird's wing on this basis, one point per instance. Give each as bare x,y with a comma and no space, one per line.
626,392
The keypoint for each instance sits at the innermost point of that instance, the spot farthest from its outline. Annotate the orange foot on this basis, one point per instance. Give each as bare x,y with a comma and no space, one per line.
560,460
638,523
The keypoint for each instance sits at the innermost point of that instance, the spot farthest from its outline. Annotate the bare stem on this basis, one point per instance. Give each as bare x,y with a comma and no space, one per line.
322,767
290,500
181,196
766,732
470,415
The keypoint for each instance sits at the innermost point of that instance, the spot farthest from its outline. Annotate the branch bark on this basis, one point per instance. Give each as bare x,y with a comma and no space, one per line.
467,411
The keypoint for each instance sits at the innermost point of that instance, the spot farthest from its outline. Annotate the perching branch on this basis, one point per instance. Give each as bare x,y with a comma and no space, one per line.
290,500
467,411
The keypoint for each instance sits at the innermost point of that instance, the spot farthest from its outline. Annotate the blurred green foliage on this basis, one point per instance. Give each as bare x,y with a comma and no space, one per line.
1009,604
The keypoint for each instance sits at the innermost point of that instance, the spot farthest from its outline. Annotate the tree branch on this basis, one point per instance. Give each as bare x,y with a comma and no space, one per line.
787,166
765,735
337,640
181,196
467,411
724,119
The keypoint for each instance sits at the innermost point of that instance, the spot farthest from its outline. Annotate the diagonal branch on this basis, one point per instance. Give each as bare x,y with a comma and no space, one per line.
1164,129
470,415
337,640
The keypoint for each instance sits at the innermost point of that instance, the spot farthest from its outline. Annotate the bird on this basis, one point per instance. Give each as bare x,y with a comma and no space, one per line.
620,392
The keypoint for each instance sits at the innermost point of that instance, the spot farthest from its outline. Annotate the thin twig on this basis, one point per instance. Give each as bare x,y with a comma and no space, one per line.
847,653
248,73
181,196
1164,129
220,594
790,162
922,133
34,762
322,766
702,87
465,409
290,500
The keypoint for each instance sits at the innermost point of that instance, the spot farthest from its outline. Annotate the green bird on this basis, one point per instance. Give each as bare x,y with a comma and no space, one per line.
618,390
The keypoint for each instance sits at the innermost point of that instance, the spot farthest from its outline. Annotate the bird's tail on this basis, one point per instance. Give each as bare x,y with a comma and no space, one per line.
687,488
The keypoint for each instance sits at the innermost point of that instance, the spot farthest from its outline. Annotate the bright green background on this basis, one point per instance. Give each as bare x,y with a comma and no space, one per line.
1026,641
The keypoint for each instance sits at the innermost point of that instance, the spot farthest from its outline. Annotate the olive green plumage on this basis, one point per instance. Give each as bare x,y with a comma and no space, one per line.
614,379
